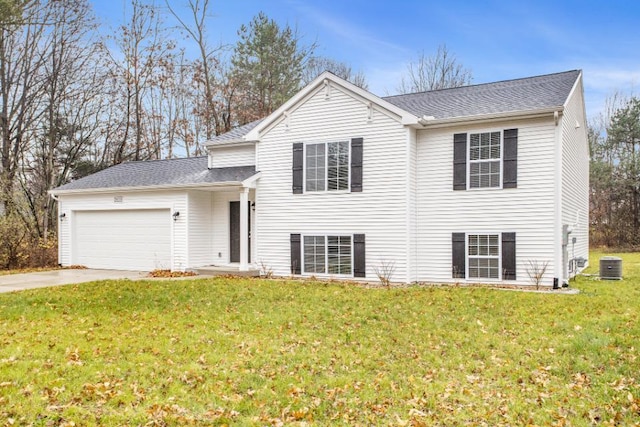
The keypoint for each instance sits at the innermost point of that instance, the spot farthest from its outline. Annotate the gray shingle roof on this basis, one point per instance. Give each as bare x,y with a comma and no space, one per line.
188,171
531,93
234,134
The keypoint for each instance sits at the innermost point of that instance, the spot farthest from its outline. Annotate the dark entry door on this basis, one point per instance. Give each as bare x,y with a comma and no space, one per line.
234,232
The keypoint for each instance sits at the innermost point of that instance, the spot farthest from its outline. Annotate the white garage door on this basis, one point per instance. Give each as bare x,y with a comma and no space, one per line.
123,239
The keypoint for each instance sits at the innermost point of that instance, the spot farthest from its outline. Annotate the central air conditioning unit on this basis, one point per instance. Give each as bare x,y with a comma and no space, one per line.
611,268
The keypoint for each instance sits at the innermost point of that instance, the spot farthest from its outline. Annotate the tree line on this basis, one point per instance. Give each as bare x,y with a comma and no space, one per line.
74,101
614,141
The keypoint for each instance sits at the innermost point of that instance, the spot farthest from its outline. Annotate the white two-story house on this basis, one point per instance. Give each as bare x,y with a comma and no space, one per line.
472,184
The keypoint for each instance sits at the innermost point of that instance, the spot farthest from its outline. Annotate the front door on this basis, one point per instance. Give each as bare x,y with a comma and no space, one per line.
234,232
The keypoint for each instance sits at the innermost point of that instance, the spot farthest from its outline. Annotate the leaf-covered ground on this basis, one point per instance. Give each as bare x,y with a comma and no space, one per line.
266,352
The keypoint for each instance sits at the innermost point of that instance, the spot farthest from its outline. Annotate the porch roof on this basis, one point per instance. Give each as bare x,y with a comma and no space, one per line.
175,173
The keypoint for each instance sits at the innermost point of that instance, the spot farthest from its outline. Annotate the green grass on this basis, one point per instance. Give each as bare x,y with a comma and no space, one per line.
253,352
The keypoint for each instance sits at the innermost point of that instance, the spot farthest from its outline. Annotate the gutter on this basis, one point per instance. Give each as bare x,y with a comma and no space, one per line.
432,122
56,193
231,142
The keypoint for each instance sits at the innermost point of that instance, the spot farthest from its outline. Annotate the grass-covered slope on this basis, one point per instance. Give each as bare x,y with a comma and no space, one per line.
253,352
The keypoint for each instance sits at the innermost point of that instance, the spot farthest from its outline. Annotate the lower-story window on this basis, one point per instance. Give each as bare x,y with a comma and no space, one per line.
315,259
484,256
327,254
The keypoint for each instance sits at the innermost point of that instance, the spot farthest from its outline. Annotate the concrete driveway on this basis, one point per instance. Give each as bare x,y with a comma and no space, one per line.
20,282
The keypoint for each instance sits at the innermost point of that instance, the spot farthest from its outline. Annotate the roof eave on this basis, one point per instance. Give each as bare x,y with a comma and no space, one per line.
235,142
425,122
55,192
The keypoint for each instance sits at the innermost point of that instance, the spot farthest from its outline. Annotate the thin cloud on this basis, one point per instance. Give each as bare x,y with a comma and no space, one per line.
349,32
609,79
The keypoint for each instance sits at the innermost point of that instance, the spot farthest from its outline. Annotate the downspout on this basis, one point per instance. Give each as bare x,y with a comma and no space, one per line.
557,211
54,197
409,258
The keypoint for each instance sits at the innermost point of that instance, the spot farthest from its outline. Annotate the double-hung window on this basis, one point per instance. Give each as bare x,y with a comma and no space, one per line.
328,254
485,159
483,251
327,166
483,255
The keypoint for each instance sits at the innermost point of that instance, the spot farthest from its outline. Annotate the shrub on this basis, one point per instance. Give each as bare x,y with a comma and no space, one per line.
20,249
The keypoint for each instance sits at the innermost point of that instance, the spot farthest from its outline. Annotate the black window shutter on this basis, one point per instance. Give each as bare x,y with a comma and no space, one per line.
356,165
509,256
359,262
510,172
460,161
458,256
296,258
298,160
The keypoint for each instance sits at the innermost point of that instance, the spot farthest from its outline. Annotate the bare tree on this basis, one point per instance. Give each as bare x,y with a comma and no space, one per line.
318,64
21,89
439,71
70,100
536,270
207,66
142,52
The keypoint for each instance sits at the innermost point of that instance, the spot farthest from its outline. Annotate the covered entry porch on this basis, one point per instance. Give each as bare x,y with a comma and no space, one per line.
220,229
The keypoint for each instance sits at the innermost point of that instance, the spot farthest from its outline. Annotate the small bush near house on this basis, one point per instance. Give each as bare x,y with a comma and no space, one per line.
19,249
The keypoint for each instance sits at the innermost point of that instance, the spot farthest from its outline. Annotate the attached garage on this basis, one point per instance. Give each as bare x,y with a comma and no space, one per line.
137,239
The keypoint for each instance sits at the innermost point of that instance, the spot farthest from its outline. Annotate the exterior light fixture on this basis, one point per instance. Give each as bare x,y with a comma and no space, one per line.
63,215
175,215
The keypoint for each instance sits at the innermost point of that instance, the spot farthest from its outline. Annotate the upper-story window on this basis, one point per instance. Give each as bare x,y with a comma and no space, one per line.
327,166
485,159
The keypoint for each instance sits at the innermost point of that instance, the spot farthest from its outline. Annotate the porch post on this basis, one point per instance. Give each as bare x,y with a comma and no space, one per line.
244,229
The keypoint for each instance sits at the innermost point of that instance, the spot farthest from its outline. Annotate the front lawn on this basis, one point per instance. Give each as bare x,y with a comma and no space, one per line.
258,352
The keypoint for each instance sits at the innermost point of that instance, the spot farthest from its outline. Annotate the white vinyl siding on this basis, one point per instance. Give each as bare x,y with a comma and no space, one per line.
575,174
200,228
224,157
379,211
527,210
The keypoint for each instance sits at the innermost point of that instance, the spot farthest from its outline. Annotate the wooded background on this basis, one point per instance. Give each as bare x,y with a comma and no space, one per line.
74,101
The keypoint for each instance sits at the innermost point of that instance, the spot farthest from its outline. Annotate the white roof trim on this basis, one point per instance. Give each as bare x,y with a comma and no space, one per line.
251,181
575,87
150,188
523,114
231,142
406,118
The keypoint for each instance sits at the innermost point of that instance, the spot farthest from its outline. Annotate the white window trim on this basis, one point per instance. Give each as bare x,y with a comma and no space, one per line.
467,256
499,187
326,167
326,254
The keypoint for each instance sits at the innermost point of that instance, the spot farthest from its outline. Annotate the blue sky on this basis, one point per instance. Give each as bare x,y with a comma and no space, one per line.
497,40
